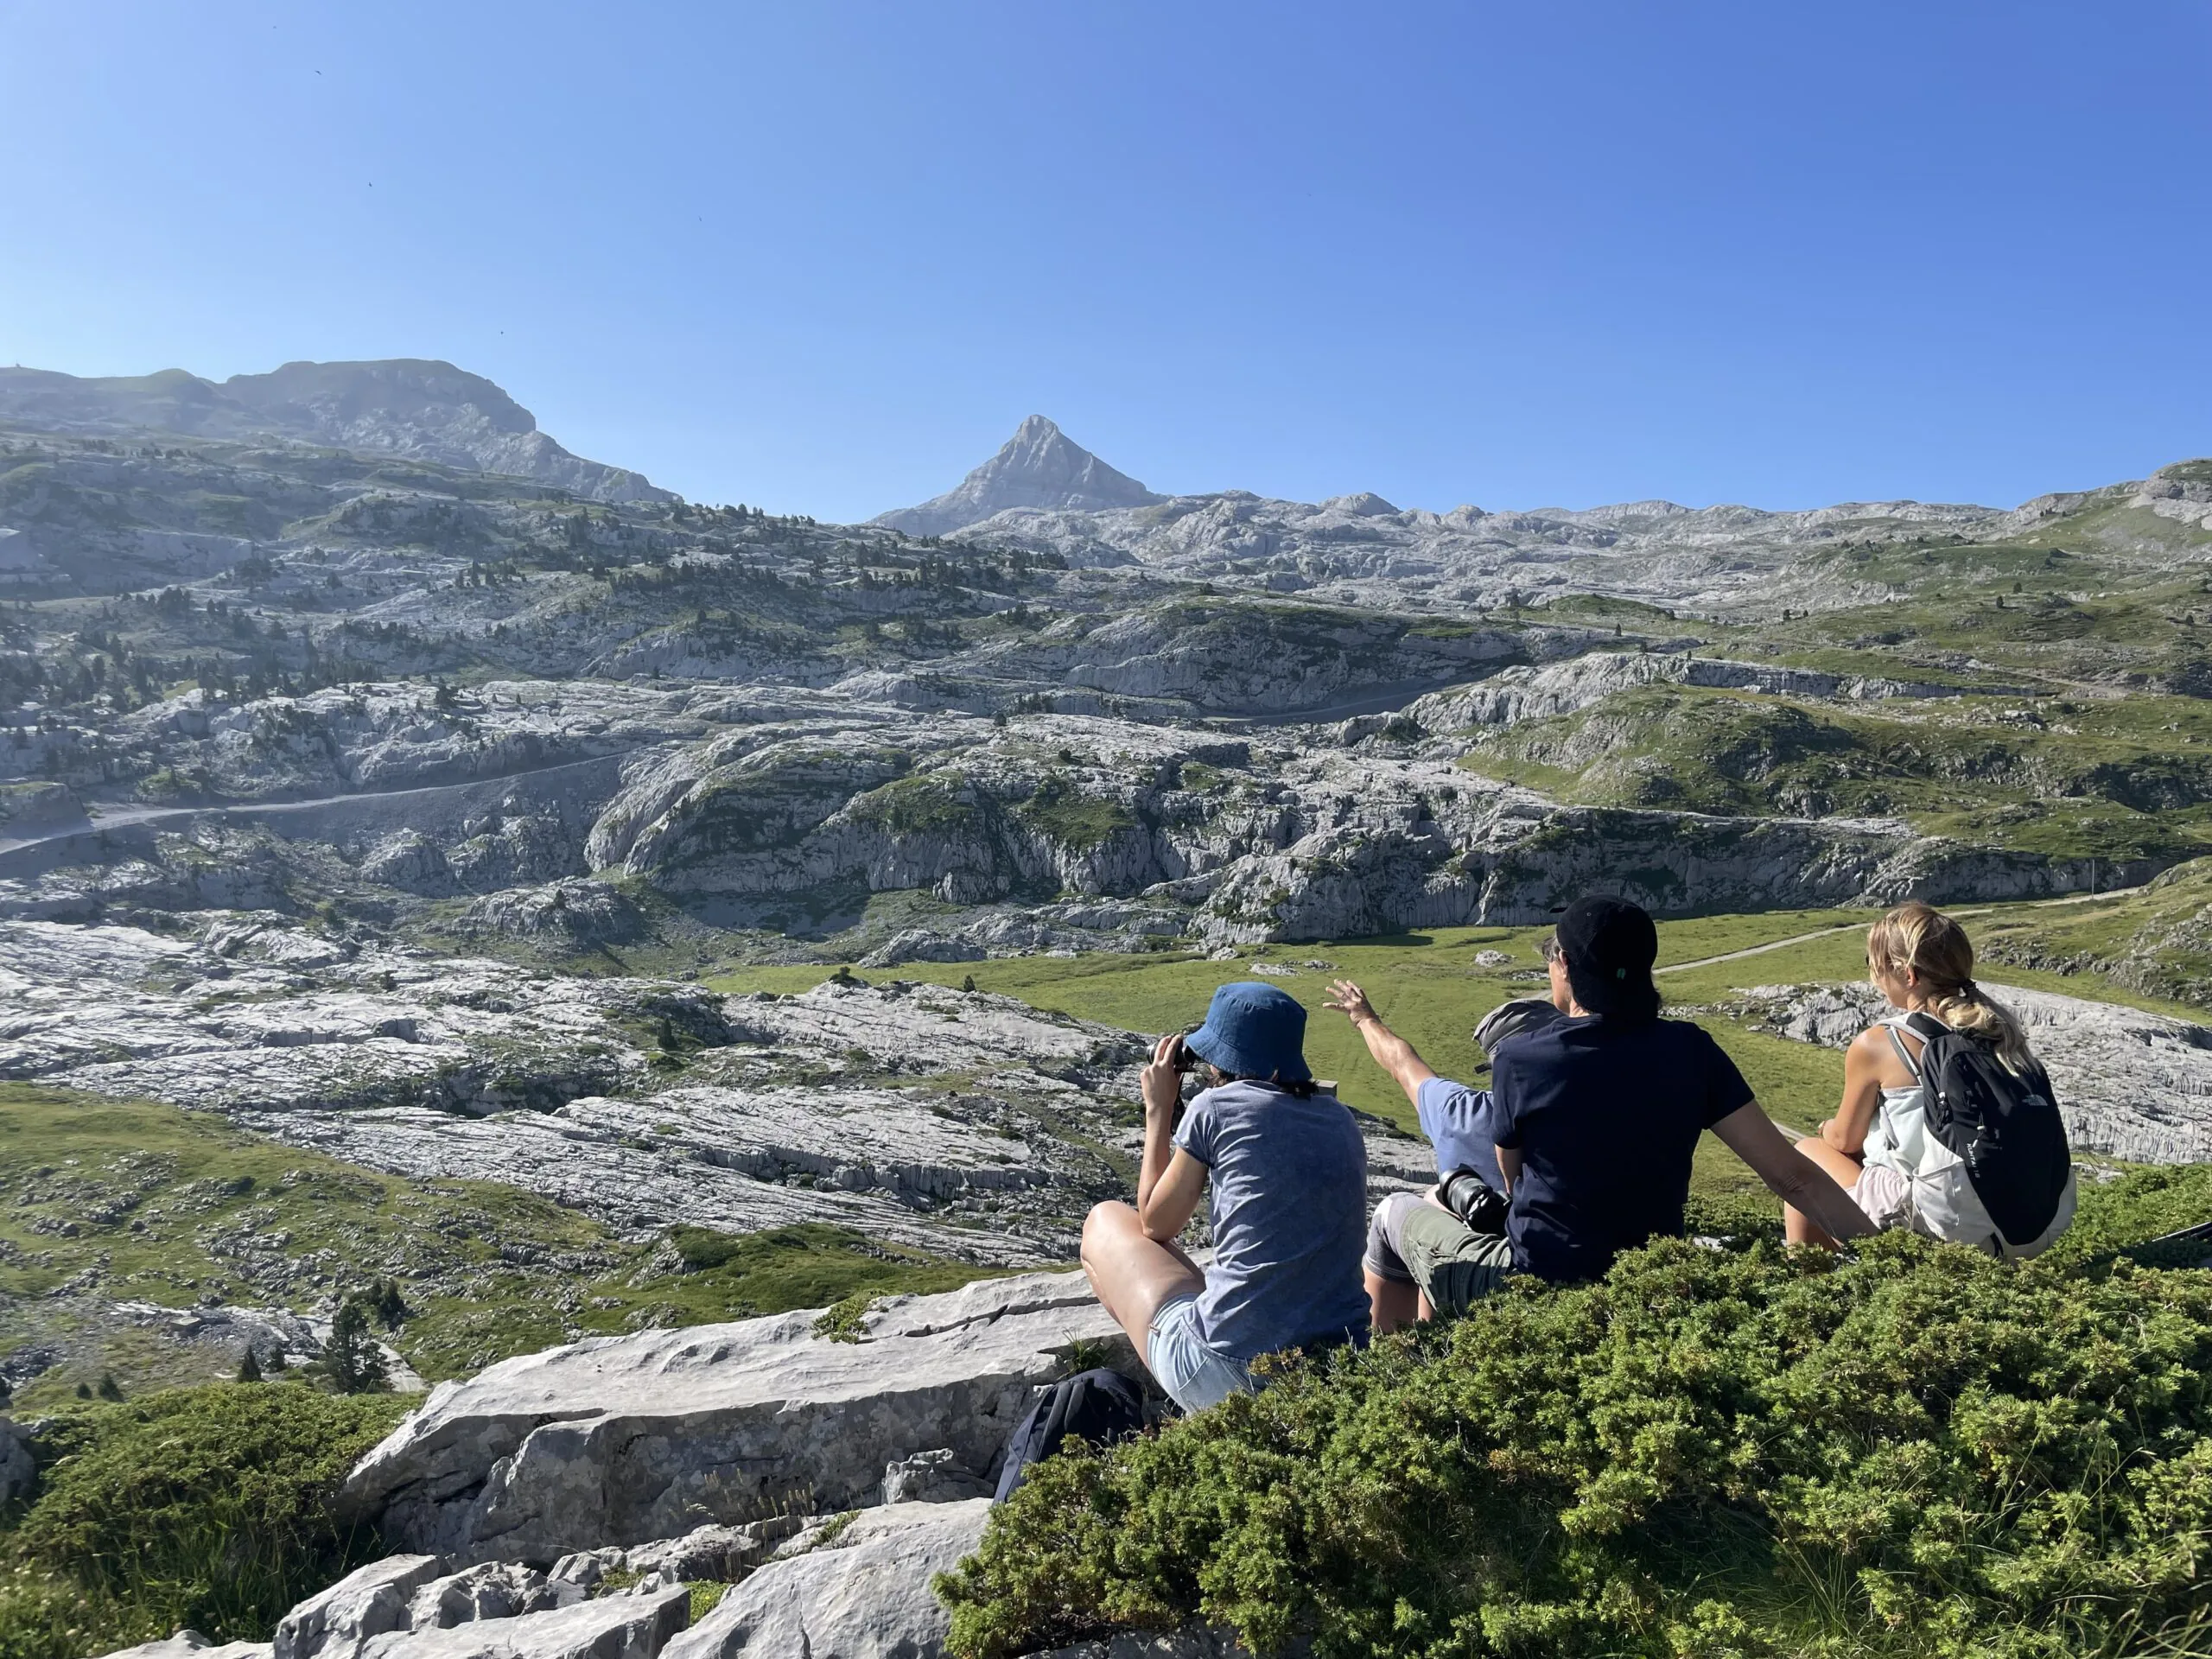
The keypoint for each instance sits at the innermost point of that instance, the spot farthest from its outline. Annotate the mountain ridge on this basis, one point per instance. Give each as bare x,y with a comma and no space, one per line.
423,408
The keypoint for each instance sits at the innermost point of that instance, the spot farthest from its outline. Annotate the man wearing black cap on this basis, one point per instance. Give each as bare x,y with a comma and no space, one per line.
1596,1118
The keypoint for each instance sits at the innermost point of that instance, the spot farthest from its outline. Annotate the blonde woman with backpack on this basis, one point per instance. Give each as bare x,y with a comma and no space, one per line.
1948,1125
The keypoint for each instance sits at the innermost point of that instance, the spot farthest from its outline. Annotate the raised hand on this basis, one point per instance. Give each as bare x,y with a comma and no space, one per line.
1349,1000
1160,1082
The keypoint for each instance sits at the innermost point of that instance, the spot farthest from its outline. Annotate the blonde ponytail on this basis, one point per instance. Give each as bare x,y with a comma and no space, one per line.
1920,940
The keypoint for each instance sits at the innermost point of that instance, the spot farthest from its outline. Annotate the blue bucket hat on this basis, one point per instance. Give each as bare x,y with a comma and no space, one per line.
1253,1031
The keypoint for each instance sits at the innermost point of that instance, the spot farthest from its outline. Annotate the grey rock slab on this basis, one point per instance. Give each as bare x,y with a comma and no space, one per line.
190,1645
625,1441
369,1602
865,1595
930,1478
488,1590
612,1627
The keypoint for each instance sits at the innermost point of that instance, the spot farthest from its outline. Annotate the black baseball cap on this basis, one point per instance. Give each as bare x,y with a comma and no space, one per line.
1609,945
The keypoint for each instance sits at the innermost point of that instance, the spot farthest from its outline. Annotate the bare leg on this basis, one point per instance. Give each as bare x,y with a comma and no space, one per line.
1132,1275
1391,1303
1843,1167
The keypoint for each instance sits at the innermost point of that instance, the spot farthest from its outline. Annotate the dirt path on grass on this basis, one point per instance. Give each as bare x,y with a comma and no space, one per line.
1853,927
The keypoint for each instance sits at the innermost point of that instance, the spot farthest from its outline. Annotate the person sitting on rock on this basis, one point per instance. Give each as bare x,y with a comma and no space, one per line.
1456,1118
1881,1145
1595,1118
1288,1172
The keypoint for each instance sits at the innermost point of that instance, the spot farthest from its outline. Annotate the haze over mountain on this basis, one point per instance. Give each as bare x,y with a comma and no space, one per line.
1039,467
421,408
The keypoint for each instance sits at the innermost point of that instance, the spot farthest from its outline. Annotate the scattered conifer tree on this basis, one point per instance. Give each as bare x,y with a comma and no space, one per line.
350,1358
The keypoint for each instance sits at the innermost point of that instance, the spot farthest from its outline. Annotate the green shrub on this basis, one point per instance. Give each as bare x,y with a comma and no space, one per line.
1710,1452
208,1507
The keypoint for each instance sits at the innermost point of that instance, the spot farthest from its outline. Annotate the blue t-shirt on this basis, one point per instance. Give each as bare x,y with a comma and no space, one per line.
1605,1118
1289,1208
1461,1124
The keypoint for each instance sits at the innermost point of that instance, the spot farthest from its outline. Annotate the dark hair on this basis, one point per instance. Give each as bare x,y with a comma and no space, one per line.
1630,1002
1299,1088
1608,946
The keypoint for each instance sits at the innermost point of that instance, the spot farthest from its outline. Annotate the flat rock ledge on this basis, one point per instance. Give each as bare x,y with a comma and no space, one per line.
624,1441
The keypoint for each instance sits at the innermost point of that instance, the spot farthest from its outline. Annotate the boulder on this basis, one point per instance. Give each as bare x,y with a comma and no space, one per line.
616,1627
623,1441
18,1468
491,1590
190,1645
930,1478
367,1603
863,1594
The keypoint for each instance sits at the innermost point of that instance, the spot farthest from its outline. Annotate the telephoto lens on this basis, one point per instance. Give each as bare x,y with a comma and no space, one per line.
1472,1198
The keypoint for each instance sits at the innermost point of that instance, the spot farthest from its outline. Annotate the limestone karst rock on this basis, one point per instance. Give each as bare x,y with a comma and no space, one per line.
426,410
622,1440
612,1627
1038,467
369,1602
190,1645
864,1596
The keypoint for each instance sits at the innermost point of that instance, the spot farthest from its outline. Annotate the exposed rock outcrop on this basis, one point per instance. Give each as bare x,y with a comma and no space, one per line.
190,1645
864,1596
1038,467
623,1441
426,410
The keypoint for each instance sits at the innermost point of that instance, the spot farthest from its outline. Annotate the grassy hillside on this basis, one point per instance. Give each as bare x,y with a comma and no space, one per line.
1432,989
2078,776
2158,941
108,1201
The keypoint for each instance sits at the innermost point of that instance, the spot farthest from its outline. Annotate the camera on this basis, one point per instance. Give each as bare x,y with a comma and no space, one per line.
1481,1206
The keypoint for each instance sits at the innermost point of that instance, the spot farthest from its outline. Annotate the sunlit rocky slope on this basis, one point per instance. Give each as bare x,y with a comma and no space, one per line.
387,782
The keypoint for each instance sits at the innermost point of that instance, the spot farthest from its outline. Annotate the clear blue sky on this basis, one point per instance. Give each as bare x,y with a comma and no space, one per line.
823,256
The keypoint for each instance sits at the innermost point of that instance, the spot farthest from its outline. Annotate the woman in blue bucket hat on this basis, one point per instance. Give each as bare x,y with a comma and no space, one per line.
1288,1172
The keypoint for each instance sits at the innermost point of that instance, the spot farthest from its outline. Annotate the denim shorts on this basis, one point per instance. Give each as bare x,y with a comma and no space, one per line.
1193,1374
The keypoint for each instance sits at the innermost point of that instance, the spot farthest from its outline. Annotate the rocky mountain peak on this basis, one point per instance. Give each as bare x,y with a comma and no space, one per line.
422,407
1039,467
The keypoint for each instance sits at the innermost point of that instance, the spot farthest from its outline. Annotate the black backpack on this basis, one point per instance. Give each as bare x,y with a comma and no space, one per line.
2003,1125
1101,1407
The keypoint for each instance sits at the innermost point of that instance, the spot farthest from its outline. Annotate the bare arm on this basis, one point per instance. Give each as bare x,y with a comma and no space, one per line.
1169,1180
1167,1208
1509,1164
1790,1174
1384,1046
1864,1073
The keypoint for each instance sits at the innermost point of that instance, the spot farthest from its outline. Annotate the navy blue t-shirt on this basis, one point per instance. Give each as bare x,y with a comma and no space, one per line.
1605,1118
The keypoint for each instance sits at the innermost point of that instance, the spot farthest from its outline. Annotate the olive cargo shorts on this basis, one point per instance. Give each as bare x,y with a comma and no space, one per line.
1413,1241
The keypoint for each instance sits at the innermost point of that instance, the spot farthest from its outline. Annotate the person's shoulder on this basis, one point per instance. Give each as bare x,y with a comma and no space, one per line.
1533,1054
1689,1040
1445,1091
1875,1040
